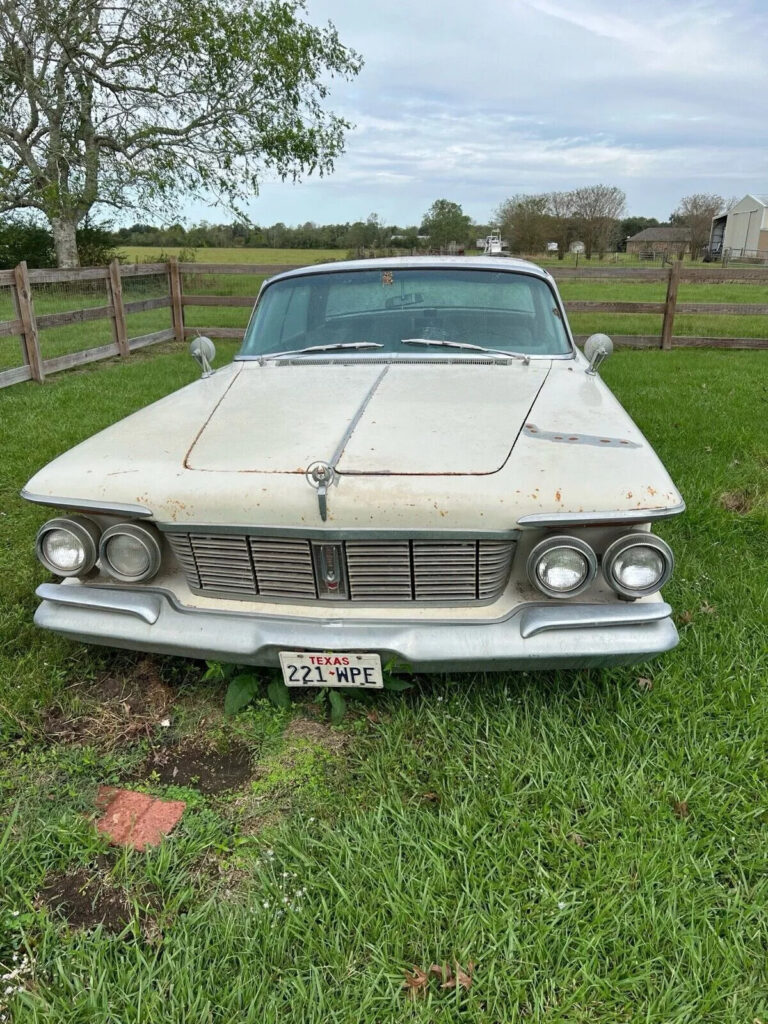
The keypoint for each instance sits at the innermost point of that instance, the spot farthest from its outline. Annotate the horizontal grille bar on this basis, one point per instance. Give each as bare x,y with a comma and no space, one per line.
397,571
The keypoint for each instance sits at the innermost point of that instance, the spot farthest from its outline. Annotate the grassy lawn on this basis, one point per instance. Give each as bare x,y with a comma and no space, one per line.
290,257
594,842
59,340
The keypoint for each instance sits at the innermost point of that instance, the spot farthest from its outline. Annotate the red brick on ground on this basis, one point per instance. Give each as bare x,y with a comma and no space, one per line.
135,819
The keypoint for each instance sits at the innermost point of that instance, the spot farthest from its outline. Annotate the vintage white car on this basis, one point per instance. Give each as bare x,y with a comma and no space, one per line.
408,461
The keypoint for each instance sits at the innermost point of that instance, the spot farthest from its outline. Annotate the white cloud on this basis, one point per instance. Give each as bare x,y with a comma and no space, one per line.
477,101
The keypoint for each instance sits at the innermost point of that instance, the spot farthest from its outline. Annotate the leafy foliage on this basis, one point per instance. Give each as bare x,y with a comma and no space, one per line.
695,212
240,692
445,222
22,240
134,103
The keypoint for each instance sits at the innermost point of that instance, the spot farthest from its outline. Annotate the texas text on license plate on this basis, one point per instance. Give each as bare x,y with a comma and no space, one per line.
302,668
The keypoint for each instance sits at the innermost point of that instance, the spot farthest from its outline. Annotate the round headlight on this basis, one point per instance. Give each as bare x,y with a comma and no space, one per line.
68,546
637,565
130,553
562,566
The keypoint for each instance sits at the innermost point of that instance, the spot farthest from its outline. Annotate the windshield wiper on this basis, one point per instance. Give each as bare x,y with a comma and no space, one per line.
320,348
466,345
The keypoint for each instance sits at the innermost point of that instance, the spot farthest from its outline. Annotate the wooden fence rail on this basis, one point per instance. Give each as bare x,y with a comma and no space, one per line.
22,282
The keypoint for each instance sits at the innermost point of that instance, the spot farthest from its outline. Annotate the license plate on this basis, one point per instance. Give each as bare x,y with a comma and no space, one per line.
302,669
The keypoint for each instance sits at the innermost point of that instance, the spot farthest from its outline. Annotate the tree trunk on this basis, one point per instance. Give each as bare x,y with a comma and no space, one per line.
65,241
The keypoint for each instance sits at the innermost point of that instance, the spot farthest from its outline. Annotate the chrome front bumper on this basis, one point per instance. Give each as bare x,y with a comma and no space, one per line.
534,636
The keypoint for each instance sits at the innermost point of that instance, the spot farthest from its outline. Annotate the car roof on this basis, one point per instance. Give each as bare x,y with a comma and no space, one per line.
504,263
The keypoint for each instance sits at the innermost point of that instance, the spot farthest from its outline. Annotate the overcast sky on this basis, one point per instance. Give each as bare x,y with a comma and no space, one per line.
476,100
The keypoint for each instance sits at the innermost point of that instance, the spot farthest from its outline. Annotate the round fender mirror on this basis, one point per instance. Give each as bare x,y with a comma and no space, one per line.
203,351
597,347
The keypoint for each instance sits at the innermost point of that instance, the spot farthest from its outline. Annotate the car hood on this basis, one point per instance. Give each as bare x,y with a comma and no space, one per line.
189,459
428,419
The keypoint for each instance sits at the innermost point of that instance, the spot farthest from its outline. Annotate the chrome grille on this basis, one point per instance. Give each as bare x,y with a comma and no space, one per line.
283,567
379,570
494,560
223,563
376,570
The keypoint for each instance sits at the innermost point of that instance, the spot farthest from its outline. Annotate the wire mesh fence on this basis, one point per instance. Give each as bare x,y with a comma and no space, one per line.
72,315
11,342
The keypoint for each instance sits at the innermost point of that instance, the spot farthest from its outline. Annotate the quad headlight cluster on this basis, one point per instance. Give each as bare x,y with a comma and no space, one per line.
72,545
633,566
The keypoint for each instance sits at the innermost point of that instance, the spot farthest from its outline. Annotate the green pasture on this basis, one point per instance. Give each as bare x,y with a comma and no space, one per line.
594,842
59,340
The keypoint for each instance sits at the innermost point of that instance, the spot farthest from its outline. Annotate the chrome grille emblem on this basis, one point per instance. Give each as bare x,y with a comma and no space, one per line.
320,476
329,571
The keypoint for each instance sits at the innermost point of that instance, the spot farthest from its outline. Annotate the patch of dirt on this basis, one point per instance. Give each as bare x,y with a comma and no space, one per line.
200,768
737,501
115,709
85,900
317,733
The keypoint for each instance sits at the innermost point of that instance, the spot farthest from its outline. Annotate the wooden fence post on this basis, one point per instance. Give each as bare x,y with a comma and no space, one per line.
26,313
177,307
671,304
119,326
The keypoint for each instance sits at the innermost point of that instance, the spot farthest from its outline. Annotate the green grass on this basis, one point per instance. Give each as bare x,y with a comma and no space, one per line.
291,257
55,341
527,823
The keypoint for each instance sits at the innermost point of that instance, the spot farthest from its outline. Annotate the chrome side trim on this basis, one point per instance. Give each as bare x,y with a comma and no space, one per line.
639,515
86,504
141,606
317,533
542,619
356,418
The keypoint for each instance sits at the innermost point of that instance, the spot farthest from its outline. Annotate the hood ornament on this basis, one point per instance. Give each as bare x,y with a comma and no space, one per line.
320,476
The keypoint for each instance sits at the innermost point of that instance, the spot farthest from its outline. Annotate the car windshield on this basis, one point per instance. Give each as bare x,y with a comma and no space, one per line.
388,310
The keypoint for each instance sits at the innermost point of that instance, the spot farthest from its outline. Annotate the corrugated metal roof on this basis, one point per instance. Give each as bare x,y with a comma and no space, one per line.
662,234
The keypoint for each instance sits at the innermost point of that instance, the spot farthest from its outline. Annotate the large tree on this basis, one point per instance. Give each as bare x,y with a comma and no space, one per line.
445,222
695,212
133,103
596,210
523,220
560,207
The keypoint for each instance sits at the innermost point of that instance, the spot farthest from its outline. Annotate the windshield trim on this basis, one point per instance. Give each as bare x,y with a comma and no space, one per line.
399,357
542,275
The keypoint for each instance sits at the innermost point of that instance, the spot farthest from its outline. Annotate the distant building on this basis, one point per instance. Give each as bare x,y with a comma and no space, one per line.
743,230
660,241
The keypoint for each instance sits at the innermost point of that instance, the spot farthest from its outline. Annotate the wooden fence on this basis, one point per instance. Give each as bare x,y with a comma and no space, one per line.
110,282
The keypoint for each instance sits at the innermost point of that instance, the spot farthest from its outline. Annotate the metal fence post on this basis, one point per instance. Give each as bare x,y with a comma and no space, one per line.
26,313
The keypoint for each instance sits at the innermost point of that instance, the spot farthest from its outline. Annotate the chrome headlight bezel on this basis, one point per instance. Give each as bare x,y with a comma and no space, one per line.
561,541
86,533
624,544
146,537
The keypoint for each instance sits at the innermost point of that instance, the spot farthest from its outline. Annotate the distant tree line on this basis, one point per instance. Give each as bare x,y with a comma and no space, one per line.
594,216
529,223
